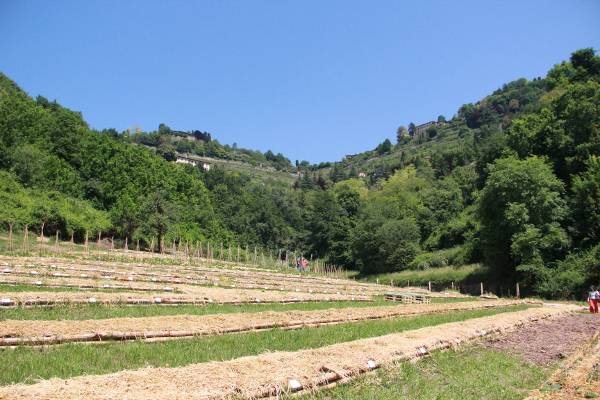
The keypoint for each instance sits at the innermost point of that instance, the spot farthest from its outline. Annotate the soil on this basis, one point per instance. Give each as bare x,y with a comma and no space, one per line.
545,342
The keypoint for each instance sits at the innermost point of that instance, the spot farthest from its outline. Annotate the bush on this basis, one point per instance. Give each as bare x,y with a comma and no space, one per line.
441,258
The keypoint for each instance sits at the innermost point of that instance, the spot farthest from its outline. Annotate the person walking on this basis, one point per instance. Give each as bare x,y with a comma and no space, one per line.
593,297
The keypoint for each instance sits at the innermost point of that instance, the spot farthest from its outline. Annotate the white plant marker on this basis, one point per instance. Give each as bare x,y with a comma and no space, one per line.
371,364
294,385
91,300
5,301
157,300
422,350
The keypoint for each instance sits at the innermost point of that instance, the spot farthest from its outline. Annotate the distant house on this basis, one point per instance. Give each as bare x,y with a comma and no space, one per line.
181,159
193,136
186,160
423,127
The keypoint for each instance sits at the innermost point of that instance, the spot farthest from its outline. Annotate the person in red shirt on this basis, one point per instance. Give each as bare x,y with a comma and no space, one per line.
593,297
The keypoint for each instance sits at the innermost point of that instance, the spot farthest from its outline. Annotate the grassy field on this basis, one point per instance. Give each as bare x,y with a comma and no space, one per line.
28,364
473,373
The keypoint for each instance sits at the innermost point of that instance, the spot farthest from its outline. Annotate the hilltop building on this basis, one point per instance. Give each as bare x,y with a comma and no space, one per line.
193,136
423,127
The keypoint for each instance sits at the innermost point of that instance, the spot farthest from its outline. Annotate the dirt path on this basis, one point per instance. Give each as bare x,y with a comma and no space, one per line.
548,341
578,376
272,373
18,332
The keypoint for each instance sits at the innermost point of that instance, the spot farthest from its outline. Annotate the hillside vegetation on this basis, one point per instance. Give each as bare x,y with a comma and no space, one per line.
512,182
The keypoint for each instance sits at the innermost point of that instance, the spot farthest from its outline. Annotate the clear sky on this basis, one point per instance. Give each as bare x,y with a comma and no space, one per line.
313,79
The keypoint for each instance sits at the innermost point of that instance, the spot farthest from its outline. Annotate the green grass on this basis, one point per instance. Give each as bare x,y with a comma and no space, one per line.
100,311
27,364
472,374
443,275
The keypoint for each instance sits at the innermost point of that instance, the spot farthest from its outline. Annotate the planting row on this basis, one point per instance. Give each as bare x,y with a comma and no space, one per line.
197,274
53,332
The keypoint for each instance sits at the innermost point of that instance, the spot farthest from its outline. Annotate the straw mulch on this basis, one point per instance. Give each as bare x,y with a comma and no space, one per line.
577,378
241,278
273,373
19,332
198,295
118,276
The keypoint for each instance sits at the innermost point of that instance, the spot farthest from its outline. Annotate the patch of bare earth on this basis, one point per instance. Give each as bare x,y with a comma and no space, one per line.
547,341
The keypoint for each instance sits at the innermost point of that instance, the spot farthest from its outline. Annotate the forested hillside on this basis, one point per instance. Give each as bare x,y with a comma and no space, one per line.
512,181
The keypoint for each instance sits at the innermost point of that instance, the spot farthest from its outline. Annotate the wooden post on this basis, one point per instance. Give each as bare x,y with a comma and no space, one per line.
85,243
452,285
41,238
152,246
56,245
378,281
126,247
518,291
137,245
254,260
481,285
430,286
26,238
10,235
72,241
112,243
221,252
391,282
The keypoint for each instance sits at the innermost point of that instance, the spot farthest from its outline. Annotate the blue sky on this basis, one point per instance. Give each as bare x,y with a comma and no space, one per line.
313,79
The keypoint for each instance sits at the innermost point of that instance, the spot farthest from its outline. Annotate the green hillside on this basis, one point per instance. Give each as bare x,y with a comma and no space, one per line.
511,182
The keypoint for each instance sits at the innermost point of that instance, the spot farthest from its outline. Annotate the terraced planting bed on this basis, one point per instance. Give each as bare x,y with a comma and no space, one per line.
19,332
176,274
197,274
200,331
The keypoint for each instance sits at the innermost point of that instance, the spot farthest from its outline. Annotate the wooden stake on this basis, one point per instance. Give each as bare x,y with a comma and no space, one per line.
126,247
10,235
481,285
518,291
26,238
